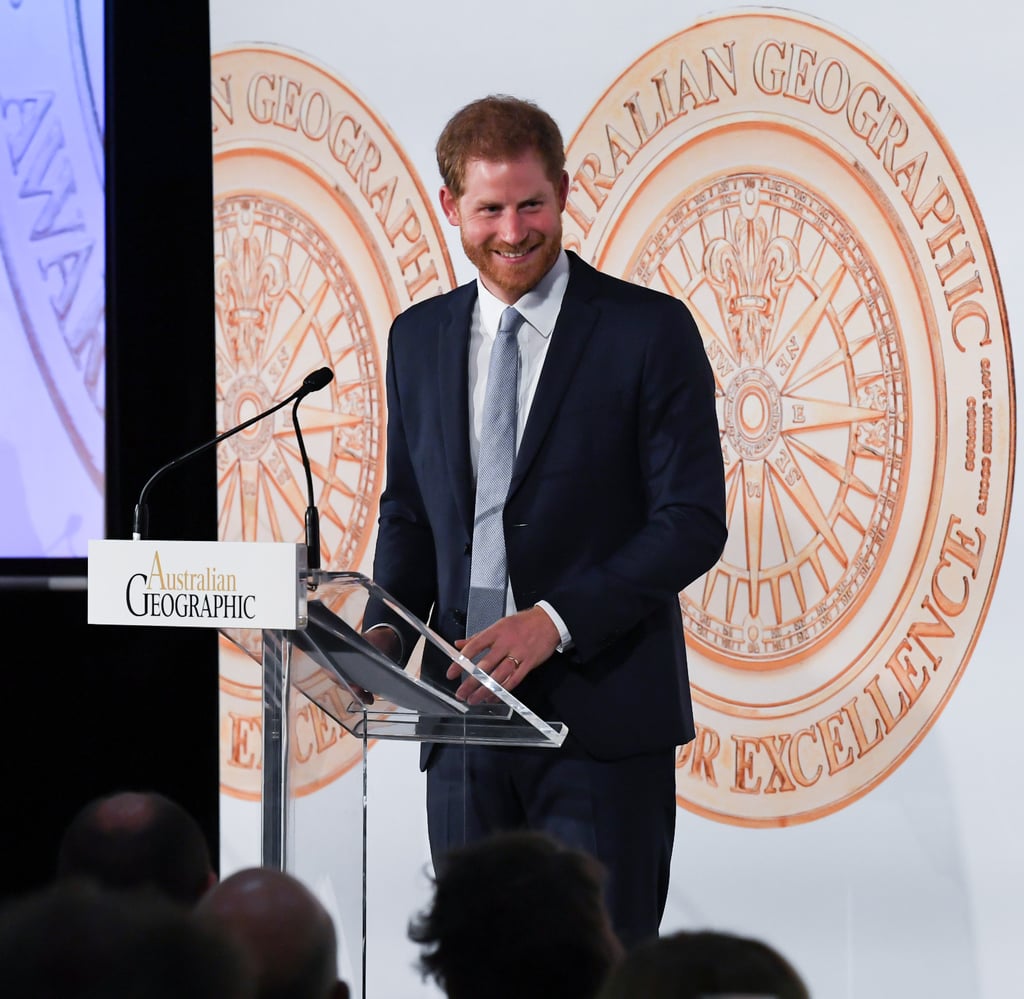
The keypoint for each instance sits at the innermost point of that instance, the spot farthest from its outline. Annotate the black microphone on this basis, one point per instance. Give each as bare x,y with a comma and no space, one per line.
313,382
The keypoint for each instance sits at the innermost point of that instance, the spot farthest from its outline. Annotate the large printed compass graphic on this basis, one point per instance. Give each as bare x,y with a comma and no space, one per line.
285,304
808,361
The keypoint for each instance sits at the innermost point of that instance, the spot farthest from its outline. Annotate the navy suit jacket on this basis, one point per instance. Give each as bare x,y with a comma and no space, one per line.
617,499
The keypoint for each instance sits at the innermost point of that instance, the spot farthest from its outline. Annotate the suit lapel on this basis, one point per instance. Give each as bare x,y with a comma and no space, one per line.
576,320
453,399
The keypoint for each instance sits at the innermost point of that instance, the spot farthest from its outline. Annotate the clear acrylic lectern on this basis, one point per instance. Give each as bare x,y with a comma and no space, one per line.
329,662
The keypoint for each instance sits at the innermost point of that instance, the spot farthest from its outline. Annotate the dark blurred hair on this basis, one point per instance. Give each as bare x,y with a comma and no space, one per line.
702,964
135,840
498,128
283,927
78,940
516,915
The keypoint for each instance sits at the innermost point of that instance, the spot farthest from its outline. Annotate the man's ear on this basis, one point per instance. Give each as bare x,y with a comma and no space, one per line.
450,206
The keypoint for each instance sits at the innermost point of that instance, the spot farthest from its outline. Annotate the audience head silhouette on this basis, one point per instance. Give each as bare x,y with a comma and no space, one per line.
79,940
517,914
288,935
136,840
702,965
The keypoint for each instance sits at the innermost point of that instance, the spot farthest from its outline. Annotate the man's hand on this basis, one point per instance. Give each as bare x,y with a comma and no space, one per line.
384,639
514,646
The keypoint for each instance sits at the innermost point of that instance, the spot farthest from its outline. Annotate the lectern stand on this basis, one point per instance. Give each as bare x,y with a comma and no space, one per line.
330,663
305,628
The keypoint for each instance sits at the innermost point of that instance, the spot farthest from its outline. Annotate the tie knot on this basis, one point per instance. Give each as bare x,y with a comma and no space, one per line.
510,321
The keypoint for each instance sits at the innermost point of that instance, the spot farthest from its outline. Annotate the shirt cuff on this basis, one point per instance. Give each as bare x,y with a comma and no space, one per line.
565,639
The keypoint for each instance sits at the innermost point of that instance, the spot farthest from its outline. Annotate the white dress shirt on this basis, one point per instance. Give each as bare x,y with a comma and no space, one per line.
539,307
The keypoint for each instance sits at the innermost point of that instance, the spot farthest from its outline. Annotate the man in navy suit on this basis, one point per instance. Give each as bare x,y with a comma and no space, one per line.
616,503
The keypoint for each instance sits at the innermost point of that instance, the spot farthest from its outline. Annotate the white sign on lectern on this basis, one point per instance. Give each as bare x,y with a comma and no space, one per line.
197,584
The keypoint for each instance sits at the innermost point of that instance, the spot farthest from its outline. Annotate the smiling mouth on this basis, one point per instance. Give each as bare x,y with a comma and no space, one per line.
514,254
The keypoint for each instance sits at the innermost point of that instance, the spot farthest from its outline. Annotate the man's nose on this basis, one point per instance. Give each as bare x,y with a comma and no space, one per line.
513,228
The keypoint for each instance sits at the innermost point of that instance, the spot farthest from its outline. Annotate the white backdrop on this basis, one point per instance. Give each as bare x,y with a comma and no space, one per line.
915,889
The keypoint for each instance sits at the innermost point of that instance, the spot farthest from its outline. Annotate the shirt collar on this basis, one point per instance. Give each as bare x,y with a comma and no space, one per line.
539,306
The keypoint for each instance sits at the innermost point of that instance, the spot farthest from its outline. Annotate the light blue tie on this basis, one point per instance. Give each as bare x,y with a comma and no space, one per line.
488,579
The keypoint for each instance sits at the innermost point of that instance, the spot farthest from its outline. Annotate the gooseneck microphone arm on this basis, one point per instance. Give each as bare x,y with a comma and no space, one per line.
141,517
317,380
311,383
312,514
